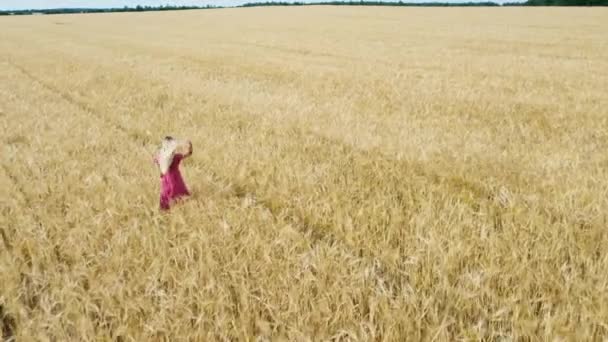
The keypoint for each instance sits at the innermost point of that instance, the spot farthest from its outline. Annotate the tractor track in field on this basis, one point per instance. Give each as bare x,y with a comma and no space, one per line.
67,97
28,203
317,233
458,185
11,178
30,296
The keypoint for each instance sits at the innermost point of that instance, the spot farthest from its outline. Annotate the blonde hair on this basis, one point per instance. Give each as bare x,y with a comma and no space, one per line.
168,149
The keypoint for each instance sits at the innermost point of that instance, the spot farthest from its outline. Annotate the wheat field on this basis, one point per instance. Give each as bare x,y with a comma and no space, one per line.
359,173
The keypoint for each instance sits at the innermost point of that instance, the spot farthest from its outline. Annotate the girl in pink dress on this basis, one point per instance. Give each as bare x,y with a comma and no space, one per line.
168,158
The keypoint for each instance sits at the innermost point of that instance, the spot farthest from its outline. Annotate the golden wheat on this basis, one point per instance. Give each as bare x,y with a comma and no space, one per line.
358,174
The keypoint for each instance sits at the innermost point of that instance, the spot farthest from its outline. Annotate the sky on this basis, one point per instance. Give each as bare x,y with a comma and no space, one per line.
40,4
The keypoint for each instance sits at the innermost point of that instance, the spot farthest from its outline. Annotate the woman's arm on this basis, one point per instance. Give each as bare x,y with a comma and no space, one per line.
189,149
185,149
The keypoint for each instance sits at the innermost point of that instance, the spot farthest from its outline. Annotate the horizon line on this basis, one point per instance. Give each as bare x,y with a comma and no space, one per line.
269,3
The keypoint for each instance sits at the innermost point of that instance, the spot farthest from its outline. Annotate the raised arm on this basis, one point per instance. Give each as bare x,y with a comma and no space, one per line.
185,149
189,153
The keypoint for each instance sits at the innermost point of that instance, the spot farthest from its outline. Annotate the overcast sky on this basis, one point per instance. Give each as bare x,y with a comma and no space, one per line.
38,4
27,4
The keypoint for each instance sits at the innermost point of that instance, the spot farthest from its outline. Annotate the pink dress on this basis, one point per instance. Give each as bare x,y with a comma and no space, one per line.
172,184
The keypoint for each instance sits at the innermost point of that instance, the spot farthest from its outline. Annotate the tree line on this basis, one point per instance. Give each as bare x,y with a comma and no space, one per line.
334,3
369,3
441,4
104,10
560,3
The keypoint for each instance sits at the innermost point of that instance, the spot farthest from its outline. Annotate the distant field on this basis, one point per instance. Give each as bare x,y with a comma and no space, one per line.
358,174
